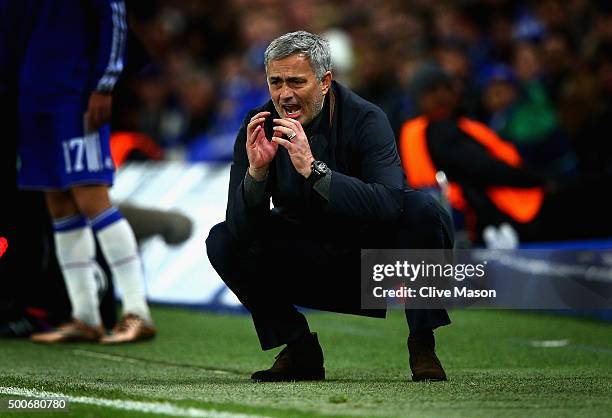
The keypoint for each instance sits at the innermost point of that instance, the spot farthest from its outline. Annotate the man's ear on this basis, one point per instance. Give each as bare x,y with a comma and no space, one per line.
326,82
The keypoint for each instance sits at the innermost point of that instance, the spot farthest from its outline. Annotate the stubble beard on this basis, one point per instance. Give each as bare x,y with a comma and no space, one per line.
317,107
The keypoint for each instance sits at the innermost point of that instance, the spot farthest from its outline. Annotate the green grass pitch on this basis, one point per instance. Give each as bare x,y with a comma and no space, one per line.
499,364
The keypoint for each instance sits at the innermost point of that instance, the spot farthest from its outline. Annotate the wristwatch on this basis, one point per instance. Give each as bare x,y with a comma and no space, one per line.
318,170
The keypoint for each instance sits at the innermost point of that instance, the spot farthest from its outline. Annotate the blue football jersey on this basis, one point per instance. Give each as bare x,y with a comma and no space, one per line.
73,48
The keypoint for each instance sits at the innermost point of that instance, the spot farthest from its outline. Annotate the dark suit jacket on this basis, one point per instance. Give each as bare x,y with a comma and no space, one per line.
358,145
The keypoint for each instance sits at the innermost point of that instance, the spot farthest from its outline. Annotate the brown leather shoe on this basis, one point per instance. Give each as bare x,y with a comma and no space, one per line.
73,331
300,360
130,329
424,363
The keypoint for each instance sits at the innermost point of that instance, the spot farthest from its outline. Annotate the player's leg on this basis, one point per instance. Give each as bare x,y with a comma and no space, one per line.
75,251
56,153
425,225
118,244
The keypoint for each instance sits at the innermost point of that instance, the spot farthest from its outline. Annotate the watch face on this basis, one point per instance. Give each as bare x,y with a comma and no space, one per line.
320,167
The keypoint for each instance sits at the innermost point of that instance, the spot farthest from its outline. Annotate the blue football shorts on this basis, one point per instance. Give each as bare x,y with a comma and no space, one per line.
55,152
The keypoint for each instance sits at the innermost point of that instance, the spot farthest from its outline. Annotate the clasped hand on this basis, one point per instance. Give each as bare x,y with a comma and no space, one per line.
261,151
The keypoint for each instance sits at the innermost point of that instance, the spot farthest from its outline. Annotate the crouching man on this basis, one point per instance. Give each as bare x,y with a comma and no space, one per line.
328,160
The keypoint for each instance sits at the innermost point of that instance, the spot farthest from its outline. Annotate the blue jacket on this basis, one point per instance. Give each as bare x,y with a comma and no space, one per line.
72,48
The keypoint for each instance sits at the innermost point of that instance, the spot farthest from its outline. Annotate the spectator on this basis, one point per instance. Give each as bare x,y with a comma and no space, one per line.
554,109
490,183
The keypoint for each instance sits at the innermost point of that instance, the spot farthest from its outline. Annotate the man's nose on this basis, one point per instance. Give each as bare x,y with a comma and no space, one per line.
286,92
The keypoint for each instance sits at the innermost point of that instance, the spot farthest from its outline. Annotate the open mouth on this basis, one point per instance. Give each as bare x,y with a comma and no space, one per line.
292,111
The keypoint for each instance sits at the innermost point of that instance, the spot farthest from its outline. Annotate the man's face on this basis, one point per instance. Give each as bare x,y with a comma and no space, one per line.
438,103
294,88
498,95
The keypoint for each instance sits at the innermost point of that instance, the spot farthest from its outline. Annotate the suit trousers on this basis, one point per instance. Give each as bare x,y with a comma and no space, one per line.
289,266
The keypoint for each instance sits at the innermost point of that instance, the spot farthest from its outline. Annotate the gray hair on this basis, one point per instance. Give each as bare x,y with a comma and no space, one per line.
315,48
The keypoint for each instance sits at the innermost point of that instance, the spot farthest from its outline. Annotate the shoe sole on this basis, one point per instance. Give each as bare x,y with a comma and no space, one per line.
64,340
297,378
429,379
137,340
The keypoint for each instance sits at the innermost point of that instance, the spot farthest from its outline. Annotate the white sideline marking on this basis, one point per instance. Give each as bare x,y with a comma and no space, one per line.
161,408
115,357
549,343
103,356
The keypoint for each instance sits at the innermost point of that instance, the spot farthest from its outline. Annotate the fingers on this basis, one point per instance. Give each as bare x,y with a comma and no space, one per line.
260,115
98,113
89,121
291,124
94,120
253,136
284,143
100,116
253,129
286,131
257,120
105,115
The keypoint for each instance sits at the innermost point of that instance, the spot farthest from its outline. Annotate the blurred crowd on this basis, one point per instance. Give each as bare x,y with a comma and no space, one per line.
537,72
